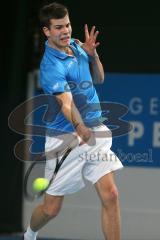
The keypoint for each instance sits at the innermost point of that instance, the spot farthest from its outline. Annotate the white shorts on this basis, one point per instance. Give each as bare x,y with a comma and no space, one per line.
83,162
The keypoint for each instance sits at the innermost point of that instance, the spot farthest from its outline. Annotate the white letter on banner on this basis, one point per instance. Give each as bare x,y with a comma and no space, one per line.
156,134
135,106
154,106
136,133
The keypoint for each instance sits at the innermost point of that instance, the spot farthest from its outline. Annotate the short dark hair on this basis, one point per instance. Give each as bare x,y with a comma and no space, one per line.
52,11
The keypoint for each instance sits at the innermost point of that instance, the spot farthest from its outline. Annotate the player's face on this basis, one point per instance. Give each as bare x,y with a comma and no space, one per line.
59,33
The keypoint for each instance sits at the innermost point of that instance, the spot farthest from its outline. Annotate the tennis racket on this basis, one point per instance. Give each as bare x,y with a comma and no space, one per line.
36,170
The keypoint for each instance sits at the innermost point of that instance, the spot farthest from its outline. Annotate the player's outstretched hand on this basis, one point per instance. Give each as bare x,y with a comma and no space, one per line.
90,43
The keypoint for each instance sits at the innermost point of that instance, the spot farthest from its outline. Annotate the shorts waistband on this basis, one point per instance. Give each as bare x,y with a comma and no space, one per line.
55,132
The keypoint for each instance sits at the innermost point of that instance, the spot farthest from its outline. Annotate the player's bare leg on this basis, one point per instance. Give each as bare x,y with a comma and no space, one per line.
46,211
107,191
42,214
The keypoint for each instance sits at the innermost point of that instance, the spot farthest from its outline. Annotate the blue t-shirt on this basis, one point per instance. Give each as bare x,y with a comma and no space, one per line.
60,72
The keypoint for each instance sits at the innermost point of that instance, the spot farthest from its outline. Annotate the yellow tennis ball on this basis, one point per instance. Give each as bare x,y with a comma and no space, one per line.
40,184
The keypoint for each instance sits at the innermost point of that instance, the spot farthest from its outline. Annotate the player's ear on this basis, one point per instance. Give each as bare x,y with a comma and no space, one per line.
46,32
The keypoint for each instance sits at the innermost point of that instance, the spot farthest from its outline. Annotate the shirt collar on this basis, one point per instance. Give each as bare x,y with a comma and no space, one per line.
58,53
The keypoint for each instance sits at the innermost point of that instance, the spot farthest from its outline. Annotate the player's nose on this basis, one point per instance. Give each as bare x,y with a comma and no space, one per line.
66,31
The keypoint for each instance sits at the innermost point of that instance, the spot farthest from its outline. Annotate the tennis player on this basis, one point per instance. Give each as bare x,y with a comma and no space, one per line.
68,71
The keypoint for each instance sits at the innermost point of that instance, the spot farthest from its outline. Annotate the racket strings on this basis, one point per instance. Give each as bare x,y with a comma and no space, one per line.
28,191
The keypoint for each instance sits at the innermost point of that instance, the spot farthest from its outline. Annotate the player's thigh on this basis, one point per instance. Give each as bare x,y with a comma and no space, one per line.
52,204
106,188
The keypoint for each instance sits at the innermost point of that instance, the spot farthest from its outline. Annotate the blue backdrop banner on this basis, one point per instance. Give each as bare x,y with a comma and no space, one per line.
141,94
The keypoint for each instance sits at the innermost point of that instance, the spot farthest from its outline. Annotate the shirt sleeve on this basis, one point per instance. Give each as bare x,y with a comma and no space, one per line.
53,79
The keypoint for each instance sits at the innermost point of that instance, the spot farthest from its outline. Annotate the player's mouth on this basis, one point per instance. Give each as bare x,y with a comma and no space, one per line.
65,39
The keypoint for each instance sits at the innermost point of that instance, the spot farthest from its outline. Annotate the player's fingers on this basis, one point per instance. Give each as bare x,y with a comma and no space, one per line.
95,35
81,143
97,44
92,32
78,139
86,32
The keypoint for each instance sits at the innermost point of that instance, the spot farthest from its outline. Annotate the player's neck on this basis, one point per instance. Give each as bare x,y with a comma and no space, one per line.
66,50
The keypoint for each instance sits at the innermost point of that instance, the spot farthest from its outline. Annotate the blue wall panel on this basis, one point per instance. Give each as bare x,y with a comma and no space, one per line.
141,94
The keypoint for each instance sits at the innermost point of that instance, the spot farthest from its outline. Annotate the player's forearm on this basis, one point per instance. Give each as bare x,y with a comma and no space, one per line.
69,109
97,70
72,114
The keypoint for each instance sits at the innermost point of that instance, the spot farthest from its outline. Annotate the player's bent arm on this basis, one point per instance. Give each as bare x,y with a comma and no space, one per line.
72,114
96,69
96,66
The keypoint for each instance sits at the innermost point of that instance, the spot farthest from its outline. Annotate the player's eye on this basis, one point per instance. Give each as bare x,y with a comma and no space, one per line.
68,25
58,27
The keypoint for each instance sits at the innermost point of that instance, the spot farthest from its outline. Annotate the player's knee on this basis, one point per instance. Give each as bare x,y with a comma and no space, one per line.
110,196
114,194
51,211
